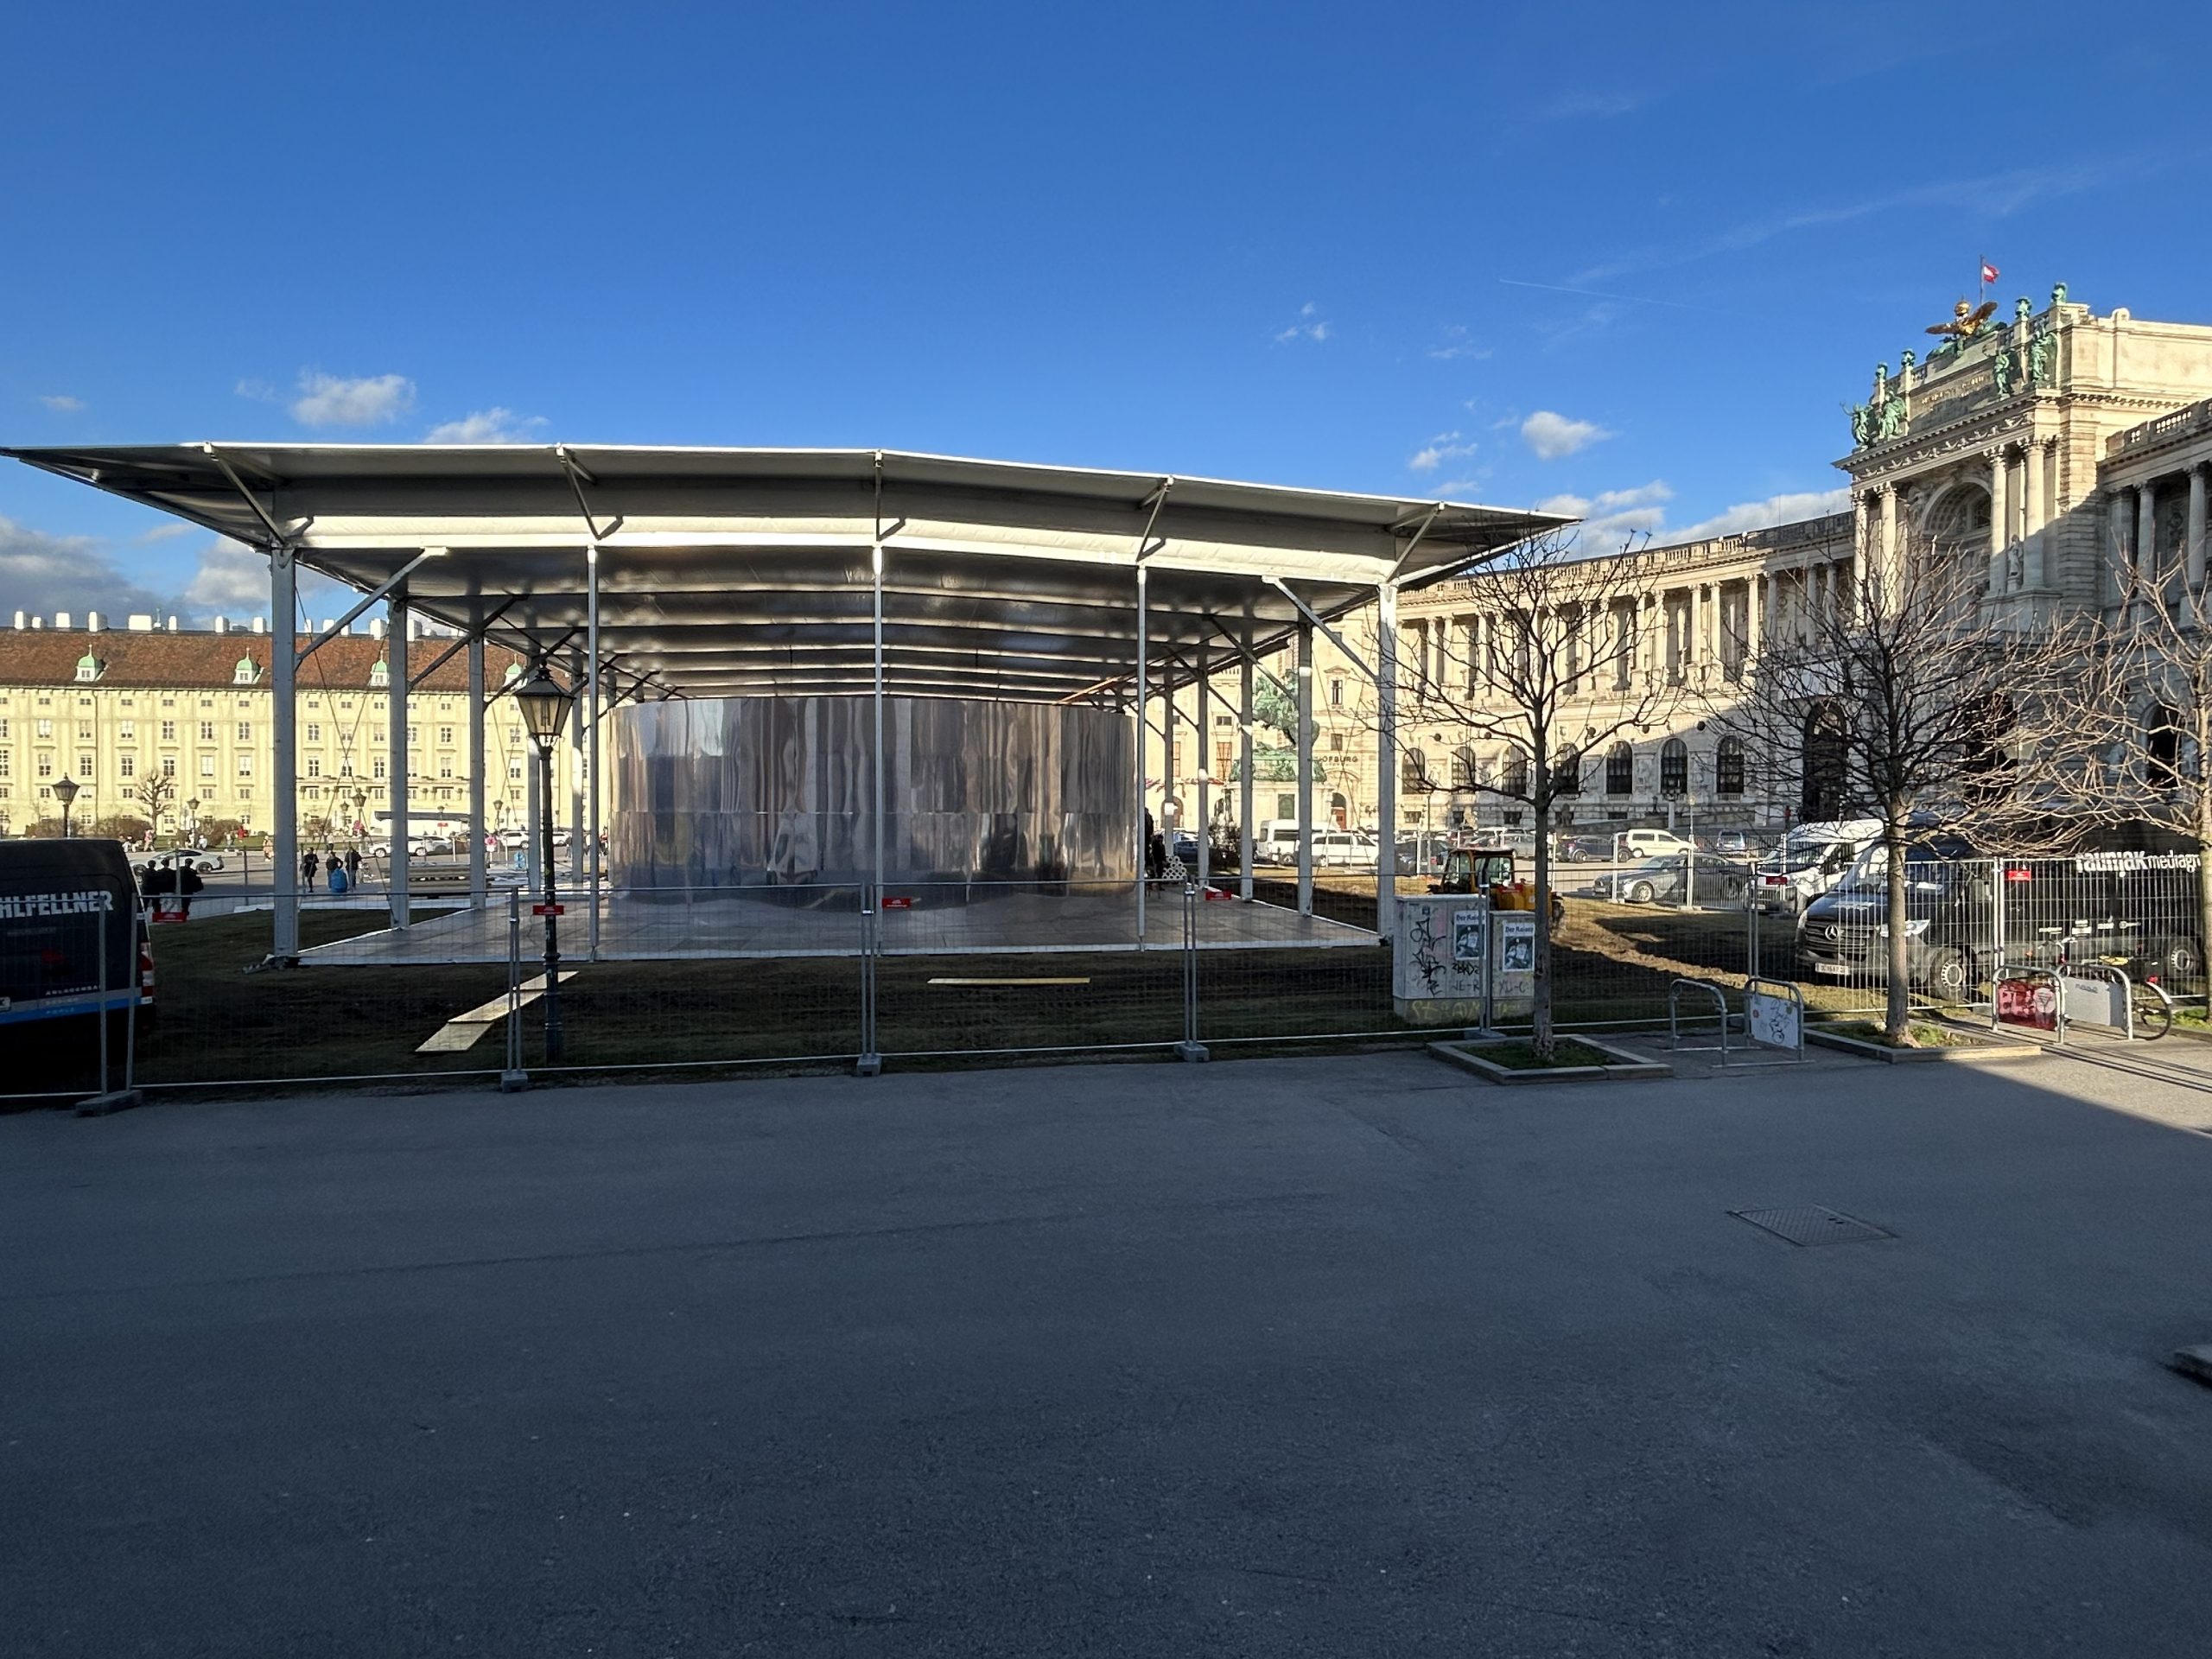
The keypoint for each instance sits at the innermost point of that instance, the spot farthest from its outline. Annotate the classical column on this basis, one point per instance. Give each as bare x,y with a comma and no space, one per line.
1893,552
1754,617
2119,510
400,619
477,874
2032,514
2147,531
284,759
2000,519
2195,528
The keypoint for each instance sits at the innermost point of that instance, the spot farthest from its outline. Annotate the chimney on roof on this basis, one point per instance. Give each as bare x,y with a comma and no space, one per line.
21,620
327,625
376,627
140,622
92,622
222,625
261,624
62,618
38,621
172,625
414,625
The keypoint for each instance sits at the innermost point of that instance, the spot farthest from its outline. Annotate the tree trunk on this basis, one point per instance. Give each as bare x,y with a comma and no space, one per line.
1896,1017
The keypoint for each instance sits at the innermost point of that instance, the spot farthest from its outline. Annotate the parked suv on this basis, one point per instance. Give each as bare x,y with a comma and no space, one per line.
1965,913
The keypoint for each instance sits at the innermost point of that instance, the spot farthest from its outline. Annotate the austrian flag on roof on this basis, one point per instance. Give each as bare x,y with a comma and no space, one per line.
1988,271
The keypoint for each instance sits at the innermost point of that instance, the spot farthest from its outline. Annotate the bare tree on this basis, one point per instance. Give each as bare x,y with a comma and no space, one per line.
1550,676
2130,709
1885,696
154,791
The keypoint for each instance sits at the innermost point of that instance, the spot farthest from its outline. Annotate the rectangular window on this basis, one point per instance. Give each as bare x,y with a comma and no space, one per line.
207,766
314,733
3,729
1335,693
445,768
1335,742
6,759
168,731
411,738
245,791
46,728
245,765
207,731
1224,758
45,764
514,771
245,731
84,731
130,768
85,766
128,731
445,734
314,767
168,766
375,768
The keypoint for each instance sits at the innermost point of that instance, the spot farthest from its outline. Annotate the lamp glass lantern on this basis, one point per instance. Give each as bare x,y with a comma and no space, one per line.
544,703
64,791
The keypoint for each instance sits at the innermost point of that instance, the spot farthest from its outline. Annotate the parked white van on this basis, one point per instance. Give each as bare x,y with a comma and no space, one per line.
1812,858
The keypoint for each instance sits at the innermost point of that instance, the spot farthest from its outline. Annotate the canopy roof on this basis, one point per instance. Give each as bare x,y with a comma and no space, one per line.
727,572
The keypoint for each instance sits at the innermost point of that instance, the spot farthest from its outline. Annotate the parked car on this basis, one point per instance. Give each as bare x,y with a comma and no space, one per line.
417,847
1184,846
1346,850
1813,858
204,862
1676,877
1584,850
1734,843
1648,843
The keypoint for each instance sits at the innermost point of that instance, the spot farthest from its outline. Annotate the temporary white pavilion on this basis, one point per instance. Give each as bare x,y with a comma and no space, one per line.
654,573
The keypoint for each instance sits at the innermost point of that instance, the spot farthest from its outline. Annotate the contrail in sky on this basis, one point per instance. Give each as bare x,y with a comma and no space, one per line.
1625,299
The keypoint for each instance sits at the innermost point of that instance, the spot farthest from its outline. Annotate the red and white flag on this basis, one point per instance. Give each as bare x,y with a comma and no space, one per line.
1988,273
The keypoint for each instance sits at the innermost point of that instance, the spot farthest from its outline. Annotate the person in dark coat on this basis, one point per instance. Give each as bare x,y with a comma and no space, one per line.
308,865
188,882
352,867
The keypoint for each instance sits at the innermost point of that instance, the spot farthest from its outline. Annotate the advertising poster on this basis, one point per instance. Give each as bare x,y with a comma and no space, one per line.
1516,944
1467,938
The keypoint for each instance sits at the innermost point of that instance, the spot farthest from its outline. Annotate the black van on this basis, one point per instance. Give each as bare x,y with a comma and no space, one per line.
60,901
2131,905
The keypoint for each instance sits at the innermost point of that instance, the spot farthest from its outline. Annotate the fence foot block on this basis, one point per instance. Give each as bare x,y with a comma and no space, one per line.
514,1083
1192,1053
106,1105
2194,1361
868,1065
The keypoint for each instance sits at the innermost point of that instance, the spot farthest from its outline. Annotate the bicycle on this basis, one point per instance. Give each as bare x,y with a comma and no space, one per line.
2151,1010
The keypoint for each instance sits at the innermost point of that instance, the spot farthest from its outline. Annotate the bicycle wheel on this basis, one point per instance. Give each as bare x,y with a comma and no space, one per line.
2154,1013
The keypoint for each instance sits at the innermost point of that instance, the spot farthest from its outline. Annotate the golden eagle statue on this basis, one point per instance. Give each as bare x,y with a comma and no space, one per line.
1966,321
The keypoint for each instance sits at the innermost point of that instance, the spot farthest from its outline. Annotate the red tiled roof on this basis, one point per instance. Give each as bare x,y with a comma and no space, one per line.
203,661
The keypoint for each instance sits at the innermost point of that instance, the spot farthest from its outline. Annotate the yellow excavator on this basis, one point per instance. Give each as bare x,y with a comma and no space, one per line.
1490,870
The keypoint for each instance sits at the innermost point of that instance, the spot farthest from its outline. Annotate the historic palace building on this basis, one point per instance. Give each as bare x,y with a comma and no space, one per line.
152,723
2063,447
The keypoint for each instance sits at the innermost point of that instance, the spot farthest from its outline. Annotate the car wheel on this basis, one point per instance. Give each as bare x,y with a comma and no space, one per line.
1640,894
1947,974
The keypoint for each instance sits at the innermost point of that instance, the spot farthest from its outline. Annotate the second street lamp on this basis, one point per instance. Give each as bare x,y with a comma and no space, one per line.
544,704
65,791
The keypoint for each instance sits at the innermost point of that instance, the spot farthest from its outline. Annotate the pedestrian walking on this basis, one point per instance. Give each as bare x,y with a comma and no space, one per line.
188,882
308,865
352,867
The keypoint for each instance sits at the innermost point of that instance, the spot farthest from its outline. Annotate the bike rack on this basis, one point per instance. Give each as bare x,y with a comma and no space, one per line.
1703,987
1794,993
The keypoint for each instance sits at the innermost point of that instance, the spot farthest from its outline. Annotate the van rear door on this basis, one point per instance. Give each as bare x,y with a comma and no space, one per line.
64,904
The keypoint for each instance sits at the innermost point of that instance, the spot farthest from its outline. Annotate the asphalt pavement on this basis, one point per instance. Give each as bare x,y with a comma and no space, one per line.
1348,1356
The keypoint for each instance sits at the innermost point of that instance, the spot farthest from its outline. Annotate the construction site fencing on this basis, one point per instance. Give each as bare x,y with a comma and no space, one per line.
801,976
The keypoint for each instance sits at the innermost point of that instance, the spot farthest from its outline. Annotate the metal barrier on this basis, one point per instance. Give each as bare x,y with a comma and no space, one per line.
1774,1015
1706,987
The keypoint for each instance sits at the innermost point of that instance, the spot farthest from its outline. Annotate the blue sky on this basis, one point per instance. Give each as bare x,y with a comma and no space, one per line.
1637,258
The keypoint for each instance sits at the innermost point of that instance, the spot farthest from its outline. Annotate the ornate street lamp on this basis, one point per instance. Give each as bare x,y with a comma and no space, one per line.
65,791
544,704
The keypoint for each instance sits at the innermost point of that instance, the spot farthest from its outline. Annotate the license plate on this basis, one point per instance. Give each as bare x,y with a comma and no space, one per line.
1840,970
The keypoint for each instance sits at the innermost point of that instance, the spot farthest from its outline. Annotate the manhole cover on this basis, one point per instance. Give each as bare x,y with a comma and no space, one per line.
1812,1224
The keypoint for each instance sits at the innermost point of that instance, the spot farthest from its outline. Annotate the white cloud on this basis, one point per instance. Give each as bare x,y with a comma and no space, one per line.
167,531
1458,343
1311,325
42,574
1615,515
1445,446
494,425
327,400
1783,509
232,580
61,404
1552,434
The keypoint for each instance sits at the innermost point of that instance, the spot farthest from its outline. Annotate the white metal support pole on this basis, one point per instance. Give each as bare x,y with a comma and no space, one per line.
477,763
1244,842
396,702
870,1063
1199,729
877,803
1386,759
1144,741
1303,748
591,743
283,664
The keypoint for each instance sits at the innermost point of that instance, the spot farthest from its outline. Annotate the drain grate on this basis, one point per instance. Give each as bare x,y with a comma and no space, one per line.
1812,1224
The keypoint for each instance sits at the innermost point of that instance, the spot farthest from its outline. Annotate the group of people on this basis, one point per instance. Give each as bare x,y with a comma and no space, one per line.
343,868
170,882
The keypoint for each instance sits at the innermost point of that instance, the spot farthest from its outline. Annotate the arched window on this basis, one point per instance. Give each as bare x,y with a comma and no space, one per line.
1728,767
1514,778
2162,748
1566,775
1413,771
1824,761
1620,769
1463,767
1673,768
1338,808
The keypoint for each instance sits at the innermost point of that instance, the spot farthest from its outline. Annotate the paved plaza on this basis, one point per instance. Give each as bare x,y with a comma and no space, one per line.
1334,1356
